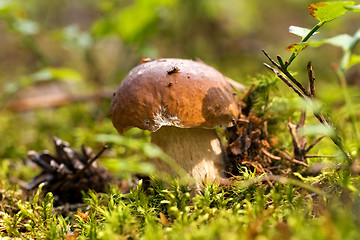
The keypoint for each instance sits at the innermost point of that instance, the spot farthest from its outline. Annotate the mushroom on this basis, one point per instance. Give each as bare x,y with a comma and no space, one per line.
181,102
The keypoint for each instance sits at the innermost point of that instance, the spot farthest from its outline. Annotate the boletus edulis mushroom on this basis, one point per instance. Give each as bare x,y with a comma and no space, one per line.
181,102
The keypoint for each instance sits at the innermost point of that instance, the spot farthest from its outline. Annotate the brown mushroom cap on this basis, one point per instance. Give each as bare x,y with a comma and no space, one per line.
173,92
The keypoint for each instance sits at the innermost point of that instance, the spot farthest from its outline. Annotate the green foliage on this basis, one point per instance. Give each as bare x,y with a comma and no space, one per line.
133,152
130,153
328,11
76,53
232,213
300,31
324,12
344,41
64,74
35,218
144,16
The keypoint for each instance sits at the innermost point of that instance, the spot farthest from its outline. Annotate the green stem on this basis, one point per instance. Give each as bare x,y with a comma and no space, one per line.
342,80
312,31
32,45
346,58
348,101
336,138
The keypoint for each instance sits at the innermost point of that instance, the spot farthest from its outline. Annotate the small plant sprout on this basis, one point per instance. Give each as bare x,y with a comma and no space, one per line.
324,12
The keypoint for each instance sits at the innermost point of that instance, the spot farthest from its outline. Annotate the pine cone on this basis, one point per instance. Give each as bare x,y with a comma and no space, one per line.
70,173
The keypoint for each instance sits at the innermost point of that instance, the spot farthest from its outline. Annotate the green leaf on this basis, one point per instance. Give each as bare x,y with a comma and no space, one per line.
300,31
328,11
355,8
354,59
131,143
297,47
65,74
344,41
72,35
135,22
26,27
7,5
128,165
317,130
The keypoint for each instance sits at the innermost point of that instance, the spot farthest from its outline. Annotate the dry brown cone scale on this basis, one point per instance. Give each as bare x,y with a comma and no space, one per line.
251,145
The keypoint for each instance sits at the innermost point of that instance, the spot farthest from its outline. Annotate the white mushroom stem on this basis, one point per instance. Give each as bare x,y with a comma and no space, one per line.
198,151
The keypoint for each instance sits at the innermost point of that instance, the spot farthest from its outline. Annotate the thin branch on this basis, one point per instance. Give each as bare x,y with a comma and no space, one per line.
322,156
52,100
311,77
285,155
294,160
270,155
301,122
284,70
271,60
286,81
247,93
90,161
336,137
297,83
307,96
310,33
314,143
281,62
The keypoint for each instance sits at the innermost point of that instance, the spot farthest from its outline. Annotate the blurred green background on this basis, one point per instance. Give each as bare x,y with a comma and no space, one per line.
60,61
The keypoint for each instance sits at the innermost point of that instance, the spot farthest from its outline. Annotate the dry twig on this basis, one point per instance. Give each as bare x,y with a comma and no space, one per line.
309,96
